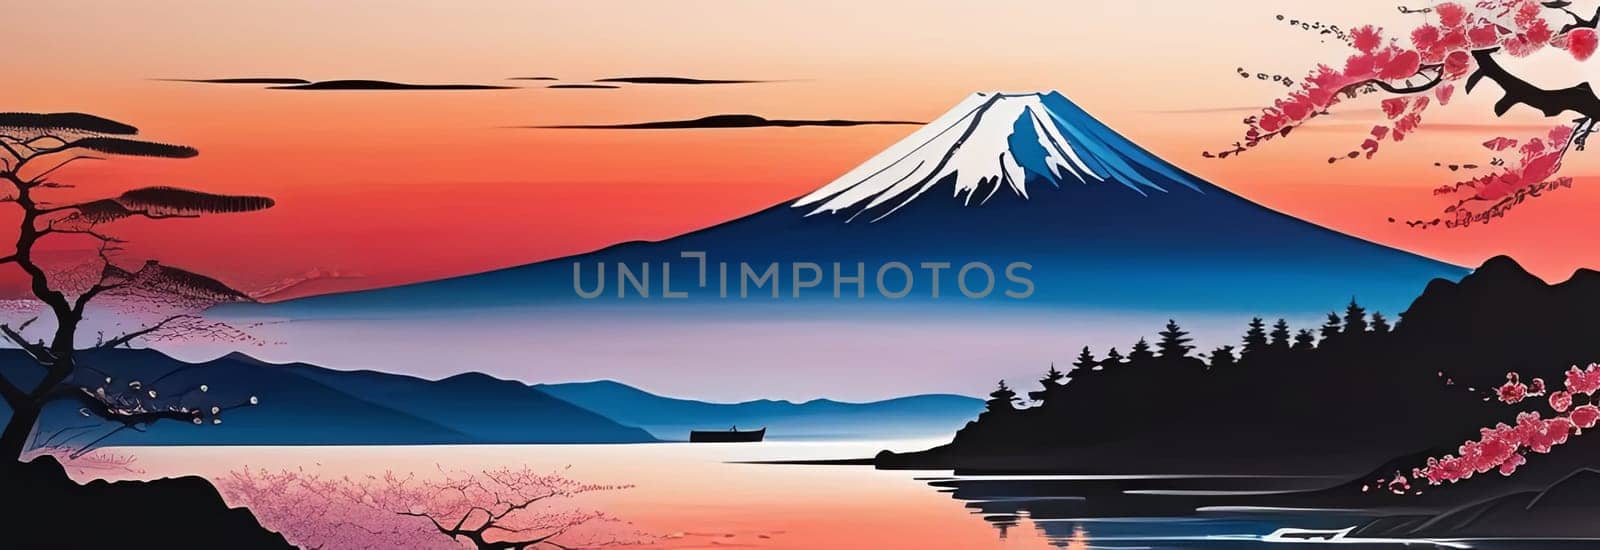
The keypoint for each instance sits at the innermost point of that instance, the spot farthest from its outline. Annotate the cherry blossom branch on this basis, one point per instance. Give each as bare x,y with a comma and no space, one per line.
1434,81
1457,41
1504,448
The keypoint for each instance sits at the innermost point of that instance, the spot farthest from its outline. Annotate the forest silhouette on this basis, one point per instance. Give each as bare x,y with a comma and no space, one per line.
1341,398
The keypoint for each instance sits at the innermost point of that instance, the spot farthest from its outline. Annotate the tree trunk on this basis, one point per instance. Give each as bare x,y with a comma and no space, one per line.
17,432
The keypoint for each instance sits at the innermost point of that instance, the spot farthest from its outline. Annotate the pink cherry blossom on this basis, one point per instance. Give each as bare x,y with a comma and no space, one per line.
1510,466
1586,381
1585,416
1451,14
1560,401
1512,392
1366,38
1581,43
1500,144
1443,93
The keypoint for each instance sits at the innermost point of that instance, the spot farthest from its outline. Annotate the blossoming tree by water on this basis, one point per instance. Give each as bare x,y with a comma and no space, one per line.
510,509
1457,43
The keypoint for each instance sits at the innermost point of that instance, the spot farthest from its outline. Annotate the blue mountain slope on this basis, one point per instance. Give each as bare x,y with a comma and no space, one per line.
308,405
488,409
1002,178
671,419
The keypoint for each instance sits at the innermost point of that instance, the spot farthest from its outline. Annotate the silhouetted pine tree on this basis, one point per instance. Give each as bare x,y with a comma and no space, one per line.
1222,358
1000,399
1280,336
1086,360
1255,338
1330,329
1113,358
1140,353
1380,324
1174,342
1052,385
1304,340
1355,318
1053,376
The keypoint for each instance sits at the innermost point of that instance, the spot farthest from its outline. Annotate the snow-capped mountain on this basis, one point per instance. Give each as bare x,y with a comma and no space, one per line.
992,142
1001,178
1117,242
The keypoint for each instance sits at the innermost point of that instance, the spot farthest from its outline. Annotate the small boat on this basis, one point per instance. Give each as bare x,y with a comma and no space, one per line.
731,435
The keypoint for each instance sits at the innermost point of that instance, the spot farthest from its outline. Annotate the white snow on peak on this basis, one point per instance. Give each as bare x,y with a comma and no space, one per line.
987,142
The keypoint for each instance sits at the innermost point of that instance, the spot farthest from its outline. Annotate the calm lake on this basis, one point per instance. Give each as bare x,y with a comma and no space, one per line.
699,496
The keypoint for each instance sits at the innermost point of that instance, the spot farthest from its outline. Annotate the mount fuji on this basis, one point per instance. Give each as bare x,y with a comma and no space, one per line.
1115,239
991,142
1001,178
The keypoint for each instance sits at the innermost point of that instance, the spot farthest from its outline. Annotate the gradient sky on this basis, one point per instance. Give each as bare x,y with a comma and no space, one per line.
397,186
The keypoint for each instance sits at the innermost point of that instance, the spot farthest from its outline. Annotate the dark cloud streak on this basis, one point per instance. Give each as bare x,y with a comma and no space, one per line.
245,80
384,85
280,83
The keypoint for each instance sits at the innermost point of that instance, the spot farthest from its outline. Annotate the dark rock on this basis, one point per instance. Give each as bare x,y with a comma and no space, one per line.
52,511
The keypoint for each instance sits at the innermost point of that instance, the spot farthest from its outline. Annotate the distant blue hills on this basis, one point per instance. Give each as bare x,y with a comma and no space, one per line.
302,404
671,419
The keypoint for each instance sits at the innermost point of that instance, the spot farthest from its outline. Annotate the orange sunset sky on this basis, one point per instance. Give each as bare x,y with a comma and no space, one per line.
387,187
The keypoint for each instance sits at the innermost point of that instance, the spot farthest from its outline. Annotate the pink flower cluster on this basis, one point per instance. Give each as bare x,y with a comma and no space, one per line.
1514,391
1498,448
1539,159
1503,447
502,508
1586,381
1442,47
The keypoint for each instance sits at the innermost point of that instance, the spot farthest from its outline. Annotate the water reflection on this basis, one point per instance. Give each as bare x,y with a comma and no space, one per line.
1160,512
712,496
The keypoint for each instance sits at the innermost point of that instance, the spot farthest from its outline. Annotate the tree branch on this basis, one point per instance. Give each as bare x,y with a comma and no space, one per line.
1578,22
12,393
100,409
98,288
21,158
1580,98
131,336
38,178
1404,90
51,441
40,354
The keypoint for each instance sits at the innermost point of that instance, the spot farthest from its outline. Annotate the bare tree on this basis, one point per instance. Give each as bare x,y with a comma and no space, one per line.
33,148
